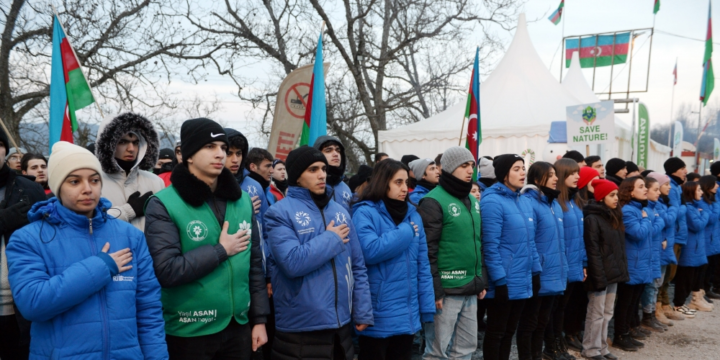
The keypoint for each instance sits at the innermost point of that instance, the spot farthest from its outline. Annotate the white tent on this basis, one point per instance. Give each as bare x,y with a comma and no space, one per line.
519,100
576,84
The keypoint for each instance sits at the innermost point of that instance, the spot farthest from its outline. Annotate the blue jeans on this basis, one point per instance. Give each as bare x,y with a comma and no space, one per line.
649,295
453,335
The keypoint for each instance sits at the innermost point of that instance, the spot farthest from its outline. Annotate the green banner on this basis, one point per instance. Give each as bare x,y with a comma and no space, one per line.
643,136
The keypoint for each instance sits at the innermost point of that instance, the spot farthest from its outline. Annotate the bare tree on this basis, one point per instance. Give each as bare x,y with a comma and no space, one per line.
130,50
401,58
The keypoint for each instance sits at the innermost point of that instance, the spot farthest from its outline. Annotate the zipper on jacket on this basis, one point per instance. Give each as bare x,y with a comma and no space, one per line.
103,296
332,262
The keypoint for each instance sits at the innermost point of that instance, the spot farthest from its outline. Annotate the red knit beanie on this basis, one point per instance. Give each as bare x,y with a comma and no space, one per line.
603,188
586,174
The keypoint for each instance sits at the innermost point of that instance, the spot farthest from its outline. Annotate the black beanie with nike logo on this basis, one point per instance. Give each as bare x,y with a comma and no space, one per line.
195,133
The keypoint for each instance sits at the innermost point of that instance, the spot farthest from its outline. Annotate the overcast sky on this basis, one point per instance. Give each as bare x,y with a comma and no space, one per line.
687,18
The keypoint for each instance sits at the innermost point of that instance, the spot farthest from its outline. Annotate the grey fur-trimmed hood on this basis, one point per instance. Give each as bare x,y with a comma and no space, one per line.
110,132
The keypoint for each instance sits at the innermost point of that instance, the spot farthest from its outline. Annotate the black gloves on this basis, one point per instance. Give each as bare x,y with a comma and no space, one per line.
137,202
15,216
501,293
536,284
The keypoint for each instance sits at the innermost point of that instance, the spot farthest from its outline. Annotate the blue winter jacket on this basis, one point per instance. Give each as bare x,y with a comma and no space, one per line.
417,194
693,252
638,243
341,194
712,232
80,307
682,229
253,188
655,212
398,268
675,197
669,215
318,282
572,221
549,241
508,241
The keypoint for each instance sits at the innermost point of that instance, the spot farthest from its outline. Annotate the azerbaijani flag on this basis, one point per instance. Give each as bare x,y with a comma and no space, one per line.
708,80
69,90
315,124
656,8
473,137
598,50
557,15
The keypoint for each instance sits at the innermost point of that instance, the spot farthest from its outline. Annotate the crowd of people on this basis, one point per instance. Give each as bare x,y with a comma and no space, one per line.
214,250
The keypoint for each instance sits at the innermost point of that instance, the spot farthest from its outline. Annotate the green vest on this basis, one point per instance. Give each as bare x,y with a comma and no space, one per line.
206,306
459,252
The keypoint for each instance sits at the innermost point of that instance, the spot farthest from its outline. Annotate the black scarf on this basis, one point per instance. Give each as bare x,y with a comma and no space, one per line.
166,167
321,200
397,209
678,180
282,185
454,186
551,194
643,203
412,182
4,175
261,180
665,199
426,184
126,165
487,181
334,175
195,192
572,192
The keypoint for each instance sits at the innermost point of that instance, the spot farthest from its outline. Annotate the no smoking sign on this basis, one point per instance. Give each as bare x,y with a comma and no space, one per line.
296,99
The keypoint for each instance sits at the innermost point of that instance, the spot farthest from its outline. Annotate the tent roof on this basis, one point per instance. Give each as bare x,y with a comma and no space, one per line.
519,94
576,84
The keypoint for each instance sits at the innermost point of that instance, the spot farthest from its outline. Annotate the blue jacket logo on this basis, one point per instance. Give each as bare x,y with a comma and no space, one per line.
196,230
302,218
347,196
340,218
252,191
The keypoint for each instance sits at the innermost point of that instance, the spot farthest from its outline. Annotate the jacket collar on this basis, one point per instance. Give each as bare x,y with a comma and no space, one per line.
503,190
55,213
195,192
380,207
303,194
635,204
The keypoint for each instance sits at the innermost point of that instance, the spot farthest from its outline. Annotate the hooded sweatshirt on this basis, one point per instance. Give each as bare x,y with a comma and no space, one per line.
118,184
339,190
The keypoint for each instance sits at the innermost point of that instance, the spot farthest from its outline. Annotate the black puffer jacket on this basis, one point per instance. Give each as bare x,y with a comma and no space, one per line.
605,247
173,267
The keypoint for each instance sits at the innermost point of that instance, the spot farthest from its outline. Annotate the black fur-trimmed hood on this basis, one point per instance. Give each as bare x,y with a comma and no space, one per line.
110,132
195,192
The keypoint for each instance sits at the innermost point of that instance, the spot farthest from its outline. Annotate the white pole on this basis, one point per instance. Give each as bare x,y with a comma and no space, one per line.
634,141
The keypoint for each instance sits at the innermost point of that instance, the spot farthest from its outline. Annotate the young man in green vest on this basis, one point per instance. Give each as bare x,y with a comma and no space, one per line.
206,253
451,218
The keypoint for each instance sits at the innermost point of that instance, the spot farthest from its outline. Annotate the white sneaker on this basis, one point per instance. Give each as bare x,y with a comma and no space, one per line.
685,311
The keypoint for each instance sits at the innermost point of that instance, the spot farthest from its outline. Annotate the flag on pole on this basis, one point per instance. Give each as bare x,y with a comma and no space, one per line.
69,89
656,8
315,114
675,74
473,137
556,16
708,80
599,50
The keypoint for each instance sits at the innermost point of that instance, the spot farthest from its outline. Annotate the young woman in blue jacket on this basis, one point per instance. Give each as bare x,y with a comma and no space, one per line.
510,255
656,212
392,238
570,309
540,192
632,195
712,247
692,254
84,279
709,186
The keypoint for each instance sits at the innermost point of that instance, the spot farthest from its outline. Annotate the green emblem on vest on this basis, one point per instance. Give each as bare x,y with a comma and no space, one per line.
454,209
196,230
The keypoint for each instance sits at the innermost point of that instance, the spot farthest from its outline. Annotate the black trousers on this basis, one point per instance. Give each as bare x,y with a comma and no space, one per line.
11,346
503,318
531,328
481,309
398,347
331,344
685,279
232,343
626,307
712,276
270,329
700,278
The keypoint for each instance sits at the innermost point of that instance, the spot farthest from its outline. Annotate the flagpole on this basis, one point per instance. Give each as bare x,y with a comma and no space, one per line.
672,104
80,64
12,138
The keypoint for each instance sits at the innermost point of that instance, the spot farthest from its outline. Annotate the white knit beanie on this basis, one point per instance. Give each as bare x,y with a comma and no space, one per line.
65,159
